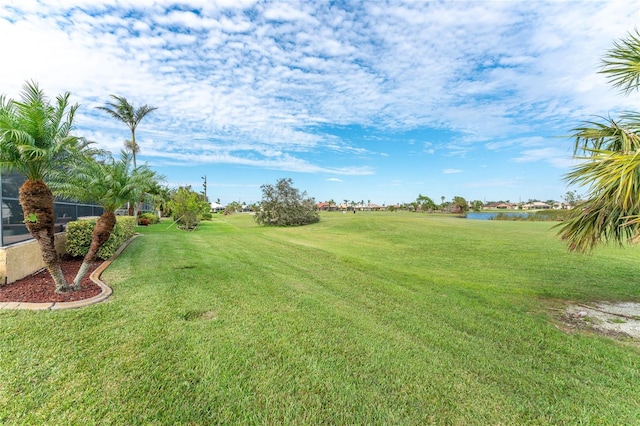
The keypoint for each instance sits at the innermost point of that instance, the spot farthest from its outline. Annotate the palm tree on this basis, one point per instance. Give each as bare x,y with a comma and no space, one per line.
123,111
613,206
610,163
161,195
133,147
110,184
35,140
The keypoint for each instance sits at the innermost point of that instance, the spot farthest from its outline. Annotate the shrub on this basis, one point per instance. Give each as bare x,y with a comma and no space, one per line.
538,216
151,218
551,215
79,236
284,205
187,206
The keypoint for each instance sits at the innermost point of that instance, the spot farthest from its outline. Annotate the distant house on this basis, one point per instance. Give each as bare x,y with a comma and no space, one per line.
500,205
216,207
324,206
562,206
536,205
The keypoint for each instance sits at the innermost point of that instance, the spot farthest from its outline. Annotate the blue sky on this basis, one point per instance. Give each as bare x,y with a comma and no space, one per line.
366,100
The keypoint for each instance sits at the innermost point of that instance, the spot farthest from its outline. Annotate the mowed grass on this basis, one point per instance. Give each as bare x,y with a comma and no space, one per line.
372,318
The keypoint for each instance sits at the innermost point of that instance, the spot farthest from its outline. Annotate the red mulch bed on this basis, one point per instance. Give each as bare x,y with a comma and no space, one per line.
40,288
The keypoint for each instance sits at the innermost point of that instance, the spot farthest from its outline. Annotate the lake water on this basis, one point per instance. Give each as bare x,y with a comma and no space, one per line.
491,215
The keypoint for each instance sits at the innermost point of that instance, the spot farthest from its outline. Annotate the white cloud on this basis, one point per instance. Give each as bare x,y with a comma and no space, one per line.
451,171
267,76
554,156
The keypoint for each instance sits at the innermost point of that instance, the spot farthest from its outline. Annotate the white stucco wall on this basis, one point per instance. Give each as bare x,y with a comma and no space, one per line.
23,259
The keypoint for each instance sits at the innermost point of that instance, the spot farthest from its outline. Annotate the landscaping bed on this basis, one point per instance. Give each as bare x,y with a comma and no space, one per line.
40,288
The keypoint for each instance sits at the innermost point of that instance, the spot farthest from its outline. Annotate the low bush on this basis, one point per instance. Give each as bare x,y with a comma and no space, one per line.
79,236
151,218
284,205
537,216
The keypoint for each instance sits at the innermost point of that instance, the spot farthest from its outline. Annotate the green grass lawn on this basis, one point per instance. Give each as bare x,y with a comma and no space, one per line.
372,318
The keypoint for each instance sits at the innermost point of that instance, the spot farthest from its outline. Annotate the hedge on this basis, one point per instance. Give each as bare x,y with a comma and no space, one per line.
79,236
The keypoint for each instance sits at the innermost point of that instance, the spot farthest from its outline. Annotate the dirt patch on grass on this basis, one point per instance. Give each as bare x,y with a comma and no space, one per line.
621,319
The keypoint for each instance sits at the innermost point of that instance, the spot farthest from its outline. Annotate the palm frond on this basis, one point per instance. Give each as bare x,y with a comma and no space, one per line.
141,112
110,183
612,202
622,63
35,134
609,135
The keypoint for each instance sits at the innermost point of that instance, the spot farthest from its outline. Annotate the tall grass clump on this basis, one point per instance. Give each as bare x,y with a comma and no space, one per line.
535,216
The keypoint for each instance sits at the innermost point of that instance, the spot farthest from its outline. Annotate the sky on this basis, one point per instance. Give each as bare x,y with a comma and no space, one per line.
375,101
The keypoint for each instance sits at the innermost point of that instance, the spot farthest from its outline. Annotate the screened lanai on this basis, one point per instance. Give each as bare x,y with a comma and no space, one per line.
13,229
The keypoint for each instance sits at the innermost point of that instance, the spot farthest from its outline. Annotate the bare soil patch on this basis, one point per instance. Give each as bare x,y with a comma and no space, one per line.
620,319
40,288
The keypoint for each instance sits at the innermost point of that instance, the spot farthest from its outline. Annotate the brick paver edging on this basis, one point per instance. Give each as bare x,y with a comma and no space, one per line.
95,277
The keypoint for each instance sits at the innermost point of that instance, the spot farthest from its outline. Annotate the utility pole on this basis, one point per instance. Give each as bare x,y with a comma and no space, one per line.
204,186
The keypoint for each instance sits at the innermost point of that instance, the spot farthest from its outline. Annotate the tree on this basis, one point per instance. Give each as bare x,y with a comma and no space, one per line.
187,207
161,195
35,140
477,205
233,207
125,112
460,205
572,198
109,183
609,152
284,205
425,203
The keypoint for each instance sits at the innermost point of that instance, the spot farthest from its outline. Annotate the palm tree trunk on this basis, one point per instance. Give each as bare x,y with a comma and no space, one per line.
84,268
37,205
101,234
